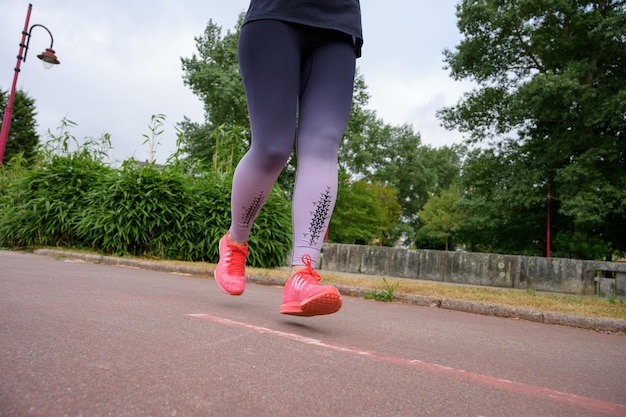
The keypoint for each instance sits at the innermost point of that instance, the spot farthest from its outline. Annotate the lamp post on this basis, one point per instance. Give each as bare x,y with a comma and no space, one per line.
49,59
549,199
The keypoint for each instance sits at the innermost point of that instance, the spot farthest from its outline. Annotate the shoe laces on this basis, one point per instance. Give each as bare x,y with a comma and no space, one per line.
236,258
308,272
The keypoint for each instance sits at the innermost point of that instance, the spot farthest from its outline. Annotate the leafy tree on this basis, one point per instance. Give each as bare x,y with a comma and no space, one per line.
363,213
503,214
361,141
394,156
416,172
442,216
194,142
23,137
551,73
213,75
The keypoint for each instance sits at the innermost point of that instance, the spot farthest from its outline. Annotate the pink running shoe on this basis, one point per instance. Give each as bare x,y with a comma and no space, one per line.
230,273
304,296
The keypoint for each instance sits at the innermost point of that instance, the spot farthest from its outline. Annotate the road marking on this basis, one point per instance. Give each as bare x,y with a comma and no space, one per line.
588,403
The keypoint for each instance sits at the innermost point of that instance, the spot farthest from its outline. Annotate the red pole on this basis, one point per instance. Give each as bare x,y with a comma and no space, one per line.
8,112
549,198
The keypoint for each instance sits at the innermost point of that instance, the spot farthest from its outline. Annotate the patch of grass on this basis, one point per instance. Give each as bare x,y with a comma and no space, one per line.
384,295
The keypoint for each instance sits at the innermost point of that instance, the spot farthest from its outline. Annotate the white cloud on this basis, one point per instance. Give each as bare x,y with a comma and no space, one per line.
406,99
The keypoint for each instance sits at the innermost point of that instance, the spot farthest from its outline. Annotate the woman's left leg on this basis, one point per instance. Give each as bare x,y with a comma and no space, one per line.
325,102
327,84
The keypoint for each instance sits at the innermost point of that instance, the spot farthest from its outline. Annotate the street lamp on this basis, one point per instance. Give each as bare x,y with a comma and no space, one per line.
549,199
49,59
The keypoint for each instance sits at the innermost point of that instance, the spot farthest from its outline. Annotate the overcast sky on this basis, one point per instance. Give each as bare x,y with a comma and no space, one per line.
120,64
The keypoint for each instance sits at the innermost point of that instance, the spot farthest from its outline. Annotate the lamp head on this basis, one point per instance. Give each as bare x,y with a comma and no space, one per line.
48,58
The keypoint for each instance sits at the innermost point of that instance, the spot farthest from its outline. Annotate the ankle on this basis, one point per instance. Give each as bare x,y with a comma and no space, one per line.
296,268
232,241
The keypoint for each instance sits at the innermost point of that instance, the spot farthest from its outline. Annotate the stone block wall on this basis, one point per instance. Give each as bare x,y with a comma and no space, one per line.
570,276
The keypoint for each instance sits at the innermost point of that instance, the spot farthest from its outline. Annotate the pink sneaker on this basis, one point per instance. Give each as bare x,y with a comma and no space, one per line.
230,273
304,296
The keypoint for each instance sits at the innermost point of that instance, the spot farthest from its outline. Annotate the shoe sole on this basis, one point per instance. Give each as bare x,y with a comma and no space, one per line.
318,305
215,274
236,292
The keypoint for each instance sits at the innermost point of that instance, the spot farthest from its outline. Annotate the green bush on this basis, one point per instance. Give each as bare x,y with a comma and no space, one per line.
133,210
44,203
151,211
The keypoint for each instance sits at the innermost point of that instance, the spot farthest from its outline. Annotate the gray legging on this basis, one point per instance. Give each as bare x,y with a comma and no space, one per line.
293,74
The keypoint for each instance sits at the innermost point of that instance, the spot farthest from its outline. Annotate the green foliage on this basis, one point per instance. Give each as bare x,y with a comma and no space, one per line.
23,138
44,204
10,171
363,213
213,75
384,295
361,143
505,214
70,198
550,102
152,211
442,216
152,139
136,211
228,141
395,157
193,143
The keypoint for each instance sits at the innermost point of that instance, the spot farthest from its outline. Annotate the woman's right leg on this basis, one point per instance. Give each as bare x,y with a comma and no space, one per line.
269,60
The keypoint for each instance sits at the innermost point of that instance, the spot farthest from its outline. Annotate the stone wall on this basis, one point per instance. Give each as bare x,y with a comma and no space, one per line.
570,276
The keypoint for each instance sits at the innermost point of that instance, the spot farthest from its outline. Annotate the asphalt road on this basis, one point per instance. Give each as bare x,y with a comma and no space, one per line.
79,339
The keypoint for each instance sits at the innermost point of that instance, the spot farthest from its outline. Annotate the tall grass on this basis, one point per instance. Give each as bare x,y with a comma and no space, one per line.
44,203
72,199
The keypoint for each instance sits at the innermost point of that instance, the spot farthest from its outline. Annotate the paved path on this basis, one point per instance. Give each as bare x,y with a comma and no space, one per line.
80,339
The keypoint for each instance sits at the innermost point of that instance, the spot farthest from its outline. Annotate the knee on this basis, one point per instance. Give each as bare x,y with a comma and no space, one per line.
323,143
270,158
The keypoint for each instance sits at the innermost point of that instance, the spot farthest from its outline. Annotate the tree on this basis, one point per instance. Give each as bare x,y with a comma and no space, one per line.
361,141
415,171
504,215
551,73
363,213
23,137
442,216
395,157
213,75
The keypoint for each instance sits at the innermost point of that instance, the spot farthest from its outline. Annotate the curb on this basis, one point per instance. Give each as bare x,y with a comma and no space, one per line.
546,317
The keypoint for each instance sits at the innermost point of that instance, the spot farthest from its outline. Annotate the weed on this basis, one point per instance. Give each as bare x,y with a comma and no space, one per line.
385,295
156,122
